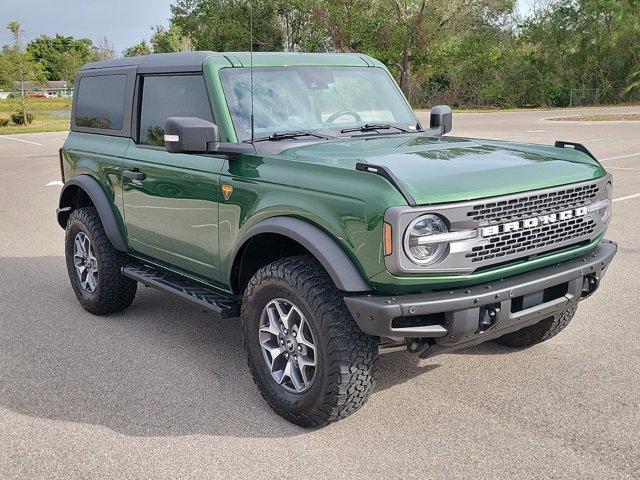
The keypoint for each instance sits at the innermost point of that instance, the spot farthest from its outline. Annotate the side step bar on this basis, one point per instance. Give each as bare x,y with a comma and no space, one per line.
220,305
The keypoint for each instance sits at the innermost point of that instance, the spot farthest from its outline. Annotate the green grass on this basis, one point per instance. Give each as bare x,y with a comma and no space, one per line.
44,120
44,104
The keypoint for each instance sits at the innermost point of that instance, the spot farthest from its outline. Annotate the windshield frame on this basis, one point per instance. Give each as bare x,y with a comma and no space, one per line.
414,126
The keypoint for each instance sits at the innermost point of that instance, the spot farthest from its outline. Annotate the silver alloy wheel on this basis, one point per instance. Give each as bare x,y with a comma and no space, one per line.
86,263
288,345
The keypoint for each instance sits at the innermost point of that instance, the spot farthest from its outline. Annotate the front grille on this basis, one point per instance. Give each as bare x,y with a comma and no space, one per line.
516,242
533,205
527,240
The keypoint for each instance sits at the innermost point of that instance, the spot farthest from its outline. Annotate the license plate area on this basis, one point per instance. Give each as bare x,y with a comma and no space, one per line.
538,298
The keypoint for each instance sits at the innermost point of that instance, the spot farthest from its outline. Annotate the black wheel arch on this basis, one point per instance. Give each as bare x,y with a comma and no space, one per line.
82,189
311,238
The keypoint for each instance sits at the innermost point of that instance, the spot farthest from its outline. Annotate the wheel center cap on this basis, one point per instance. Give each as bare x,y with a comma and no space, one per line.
290,344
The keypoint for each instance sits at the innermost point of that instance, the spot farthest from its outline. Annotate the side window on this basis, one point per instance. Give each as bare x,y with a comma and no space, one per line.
170,96
100,102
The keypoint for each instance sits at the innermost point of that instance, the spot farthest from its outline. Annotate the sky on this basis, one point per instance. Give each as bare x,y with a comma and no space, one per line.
123,22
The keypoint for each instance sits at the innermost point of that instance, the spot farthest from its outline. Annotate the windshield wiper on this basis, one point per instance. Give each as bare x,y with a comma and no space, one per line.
368,127
286,135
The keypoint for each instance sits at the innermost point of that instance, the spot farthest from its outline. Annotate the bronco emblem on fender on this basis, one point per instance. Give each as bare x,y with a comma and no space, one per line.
227,190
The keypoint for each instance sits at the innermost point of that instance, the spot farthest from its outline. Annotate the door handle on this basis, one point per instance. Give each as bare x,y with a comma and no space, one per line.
134,174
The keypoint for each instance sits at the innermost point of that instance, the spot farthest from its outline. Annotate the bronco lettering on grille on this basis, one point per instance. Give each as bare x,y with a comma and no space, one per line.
533,222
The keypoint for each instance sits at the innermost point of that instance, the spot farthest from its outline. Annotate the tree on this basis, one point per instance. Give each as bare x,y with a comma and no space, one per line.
169,40
301,26
141,48
103,50
68,65
58,54
573,44
224,25
463,52
19,68
401,33
633,84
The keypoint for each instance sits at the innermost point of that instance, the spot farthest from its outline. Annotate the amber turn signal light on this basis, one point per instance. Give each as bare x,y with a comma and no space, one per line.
388,239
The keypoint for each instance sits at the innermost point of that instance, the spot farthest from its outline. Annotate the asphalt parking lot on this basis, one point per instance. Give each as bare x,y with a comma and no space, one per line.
162,391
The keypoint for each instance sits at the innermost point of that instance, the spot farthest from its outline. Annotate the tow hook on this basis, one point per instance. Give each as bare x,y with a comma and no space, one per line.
590,284
414,345
488,317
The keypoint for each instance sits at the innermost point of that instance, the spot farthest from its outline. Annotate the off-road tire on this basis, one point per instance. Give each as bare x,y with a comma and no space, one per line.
347,358
541,331
114,292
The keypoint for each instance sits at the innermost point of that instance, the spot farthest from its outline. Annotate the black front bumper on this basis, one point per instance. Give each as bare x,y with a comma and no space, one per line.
466,317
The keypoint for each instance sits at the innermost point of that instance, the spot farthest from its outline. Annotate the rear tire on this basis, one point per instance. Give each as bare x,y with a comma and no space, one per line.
345,358
541,331
87,248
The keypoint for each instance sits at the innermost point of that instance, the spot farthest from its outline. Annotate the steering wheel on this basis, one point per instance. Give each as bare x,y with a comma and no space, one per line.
340,113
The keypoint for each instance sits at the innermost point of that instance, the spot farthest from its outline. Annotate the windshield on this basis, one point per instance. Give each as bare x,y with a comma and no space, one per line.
312,99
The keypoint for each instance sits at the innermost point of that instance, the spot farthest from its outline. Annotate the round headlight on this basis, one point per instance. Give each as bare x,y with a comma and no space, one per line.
416,244
606,212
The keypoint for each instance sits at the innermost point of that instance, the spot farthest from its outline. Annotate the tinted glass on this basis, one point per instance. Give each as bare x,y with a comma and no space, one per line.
171,96
312,98
100,102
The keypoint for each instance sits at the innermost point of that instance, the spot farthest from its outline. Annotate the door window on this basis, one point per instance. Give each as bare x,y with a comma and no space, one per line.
170,96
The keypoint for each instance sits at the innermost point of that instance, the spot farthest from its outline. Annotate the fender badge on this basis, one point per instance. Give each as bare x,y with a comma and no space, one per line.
227,190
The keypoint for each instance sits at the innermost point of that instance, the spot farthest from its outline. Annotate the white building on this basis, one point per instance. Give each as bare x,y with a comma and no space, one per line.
55,88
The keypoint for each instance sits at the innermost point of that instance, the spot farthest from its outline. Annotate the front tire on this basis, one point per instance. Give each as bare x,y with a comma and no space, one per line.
540,332
308,358
94,266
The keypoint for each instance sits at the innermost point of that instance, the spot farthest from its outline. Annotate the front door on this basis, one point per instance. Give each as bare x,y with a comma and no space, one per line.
171,200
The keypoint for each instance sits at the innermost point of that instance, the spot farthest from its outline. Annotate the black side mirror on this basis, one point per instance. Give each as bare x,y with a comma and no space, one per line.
441,118
189,134
194,135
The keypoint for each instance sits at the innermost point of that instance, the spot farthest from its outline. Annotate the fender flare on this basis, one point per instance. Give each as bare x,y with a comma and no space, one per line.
323,247
99,199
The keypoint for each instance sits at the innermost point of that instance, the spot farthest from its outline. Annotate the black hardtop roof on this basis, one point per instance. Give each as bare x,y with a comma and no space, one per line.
181,61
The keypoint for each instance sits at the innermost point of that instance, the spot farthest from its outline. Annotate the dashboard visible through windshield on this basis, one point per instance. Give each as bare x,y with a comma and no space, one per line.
320,99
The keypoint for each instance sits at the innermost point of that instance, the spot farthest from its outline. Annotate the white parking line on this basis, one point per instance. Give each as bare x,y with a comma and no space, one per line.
624,168
20,140
594,140
54,183
635,195
620,156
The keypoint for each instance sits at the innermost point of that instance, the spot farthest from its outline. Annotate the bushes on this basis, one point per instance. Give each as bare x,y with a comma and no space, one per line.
16,119
586,47
19,119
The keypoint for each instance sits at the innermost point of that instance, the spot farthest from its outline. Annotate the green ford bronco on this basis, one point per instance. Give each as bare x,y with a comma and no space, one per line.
301,193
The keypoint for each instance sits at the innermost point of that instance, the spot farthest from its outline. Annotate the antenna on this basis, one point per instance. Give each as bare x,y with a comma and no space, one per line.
251,67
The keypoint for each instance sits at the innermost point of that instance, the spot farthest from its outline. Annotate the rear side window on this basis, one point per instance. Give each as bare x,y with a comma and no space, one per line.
100,102
170,96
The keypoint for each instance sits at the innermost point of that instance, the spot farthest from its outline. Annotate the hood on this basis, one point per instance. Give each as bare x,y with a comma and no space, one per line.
448,169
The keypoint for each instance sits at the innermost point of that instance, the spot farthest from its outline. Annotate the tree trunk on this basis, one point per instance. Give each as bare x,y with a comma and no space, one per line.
405,71
24,98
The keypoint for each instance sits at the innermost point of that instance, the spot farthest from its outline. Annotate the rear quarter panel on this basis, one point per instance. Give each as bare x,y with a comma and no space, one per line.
101,157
